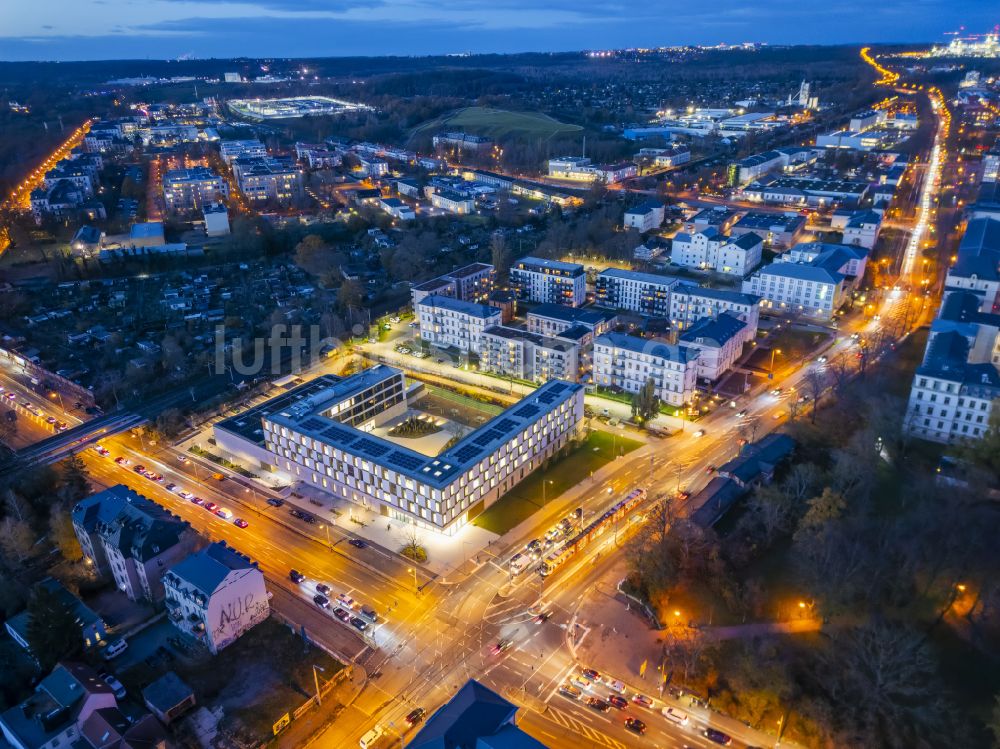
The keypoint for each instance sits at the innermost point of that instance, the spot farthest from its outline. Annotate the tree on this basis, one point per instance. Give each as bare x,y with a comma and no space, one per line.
500,256
16,540
814,387
884,681
824,509
53,630
985,452
349,295
62,535
645,403
74,482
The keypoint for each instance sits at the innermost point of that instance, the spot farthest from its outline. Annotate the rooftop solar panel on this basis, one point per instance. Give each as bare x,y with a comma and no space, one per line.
526,412
341,435
403,460
373,448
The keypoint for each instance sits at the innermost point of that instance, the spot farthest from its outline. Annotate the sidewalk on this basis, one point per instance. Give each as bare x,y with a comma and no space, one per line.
616,639
303,731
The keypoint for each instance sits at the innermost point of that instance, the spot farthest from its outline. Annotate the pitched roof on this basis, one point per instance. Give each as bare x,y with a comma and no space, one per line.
718,331
648,346
474,713
135,525
207,569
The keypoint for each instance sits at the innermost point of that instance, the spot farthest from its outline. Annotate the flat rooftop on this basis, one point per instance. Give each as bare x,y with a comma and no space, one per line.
302,408
542,264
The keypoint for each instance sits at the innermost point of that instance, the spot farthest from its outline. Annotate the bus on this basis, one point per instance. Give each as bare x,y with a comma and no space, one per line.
592,531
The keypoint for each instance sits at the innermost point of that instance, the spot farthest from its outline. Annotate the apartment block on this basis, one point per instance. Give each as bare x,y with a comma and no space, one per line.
549,281
264,180
627,362
813,281
528,356
645,293
193,189
719,342
133,539
690,303
710,250
215,596
645,216
241,149
446,321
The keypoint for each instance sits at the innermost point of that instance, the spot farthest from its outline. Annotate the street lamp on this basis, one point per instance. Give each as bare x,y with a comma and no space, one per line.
544,482
327,529
770,375
413,571
319,700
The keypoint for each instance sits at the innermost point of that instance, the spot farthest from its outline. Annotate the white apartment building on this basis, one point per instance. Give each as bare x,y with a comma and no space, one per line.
193,189
645,293
321,433
131,538
241,149
549,281
397,209
710,250
860,228
977,266
719,343
955,387
627,362
268,179
446,321
528,356
815,288
215,596
555,320
690,303
672,157
646,216
453,202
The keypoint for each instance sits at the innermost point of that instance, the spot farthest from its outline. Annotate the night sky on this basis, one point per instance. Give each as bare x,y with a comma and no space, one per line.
109,29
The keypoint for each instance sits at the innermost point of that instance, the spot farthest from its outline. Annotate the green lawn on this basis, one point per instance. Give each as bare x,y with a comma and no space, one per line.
525,498
498,123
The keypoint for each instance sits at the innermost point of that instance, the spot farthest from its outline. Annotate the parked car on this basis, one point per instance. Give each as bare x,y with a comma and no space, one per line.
598,704
116,686
358,543
568,690
643,700
416,715
342,615
114,649
275,502
616,700
359,624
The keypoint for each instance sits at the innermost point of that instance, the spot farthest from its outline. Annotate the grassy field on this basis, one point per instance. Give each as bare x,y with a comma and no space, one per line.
497,123
525,498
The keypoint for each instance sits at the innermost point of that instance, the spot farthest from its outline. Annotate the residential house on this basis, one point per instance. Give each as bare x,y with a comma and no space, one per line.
215,595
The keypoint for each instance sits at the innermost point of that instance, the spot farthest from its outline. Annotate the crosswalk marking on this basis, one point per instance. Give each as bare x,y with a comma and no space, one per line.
568,721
